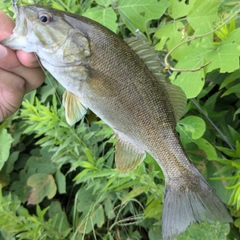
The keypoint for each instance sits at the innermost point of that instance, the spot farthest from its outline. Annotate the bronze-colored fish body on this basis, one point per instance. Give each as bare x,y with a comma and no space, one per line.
102,72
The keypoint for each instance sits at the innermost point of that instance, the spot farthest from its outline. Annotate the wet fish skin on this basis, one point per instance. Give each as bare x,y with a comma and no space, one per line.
104,74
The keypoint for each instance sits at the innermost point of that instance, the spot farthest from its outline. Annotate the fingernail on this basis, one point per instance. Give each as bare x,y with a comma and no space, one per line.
3,51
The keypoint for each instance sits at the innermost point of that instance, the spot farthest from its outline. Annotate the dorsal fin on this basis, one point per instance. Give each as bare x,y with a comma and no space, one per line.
177,99
148,54
150,57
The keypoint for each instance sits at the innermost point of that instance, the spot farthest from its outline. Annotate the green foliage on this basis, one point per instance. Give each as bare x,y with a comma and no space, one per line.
17,223
5,143
60,182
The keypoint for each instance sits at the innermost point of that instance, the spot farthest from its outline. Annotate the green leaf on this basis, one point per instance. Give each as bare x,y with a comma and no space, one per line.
190,82
171,35
5,145
56,210
233,37
234,89
217,57
236,113
43,185
205,231
61,182
211,102
230,79
192,126
207,147
105,16
203,15
104,3
96,216
108,206
139,12
179,9
154,209
135,192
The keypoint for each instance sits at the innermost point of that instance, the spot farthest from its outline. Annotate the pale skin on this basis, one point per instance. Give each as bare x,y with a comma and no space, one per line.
20,72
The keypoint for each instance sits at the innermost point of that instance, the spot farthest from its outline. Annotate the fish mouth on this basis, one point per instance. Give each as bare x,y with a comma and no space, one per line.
18,38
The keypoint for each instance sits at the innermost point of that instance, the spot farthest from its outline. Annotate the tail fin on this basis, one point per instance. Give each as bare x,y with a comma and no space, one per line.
187,202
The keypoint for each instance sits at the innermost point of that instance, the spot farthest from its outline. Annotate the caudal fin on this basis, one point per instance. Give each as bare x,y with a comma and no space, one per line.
187,203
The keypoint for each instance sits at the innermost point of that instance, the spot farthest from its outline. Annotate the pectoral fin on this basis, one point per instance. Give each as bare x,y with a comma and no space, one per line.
127,155
76,47
74,109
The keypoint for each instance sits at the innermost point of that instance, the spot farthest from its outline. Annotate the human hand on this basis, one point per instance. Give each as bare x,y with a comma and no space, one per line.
19,72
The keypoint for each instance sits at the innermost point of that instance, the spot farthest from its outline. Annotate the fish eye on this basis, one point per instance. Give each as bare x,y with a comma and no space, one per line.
45,17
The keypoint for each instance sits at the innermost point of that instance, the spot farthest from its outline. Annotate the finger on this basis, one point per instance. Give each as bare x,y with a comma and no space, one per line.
27,59
11,93
34,77
6,25
11,82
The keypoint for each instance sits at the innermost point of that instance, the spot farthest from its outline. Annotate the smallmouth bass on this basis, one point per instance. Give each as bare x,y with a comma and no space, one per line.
119,82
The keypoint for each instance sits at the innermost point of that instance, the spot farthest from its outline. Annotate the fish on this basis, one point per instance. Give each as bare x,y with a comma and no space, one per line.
119,80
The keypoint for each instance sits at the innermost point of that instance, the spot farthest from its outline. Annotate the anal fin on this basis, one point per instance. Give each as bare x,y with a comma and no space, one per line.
127,155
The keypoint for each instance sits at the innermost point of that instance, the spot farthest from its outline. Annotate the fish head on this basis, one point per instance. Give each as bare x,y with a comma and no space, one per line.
46,32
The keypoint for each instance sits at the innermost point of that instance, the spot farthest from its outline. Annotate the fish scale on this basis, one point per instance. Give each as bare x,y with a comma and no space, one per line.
120,82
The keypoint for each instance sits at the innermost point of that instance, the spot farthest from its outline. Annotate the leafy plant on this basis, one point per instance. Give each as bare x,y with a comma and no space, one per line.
60,182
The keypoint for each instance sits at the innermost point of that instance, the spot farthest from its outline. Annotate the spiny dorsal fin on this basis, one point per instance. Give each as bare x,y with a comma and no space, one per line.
127,155
74,109
148,54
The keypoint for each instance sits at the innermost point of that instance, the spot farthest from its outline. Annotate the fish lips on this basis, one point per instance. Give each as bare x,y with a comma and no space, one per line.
18,39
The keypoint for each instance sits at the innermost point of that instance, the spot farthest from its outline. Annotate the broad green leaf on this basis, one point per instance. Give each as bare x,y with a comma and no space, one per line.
10,163
225,57
153,209
179,9
171,35
109,206
207,147
105,16
104,3
43,185
203,15
94,216
61,182
5,145
191,129
97,216
139,12
233,37
85,198
237,222
56,210
190,82
42,163
192,126
205,231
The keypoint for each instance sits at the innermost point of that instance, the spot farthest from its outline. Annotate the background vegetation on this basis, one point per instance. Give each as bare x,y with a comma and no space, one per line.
60,182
